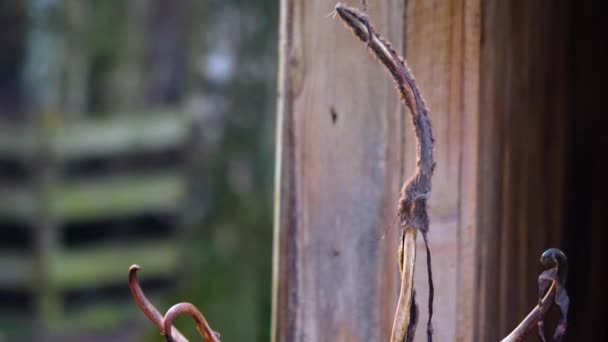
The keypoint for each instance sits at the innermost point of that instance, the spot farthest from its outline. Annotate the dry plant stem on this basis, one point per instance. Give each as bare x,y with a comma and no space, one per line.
404,305
201,323
414,194
529,324
146,306
556,276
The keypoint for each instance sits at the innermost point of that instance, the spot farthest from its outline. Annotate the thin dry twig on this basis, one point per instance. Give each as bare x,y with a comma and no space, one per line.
405,314
201,323
415,192
164,324
146,306
557,260
556,277
530,322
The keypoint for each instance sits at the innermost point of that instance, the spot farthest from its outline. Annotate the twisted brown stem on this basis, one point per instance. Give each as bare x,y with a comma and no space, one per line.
201,323
530,322
146,306
414,193
556,276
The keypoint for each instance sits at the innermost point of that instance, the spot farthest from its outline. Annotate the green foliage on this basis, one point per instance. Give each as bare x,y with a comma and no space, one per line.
232,251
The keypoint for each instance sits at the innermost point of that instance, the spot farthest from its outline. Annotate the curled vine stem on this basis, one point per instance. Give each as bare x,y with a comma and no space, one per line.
553,278
201,323
151,312
414,193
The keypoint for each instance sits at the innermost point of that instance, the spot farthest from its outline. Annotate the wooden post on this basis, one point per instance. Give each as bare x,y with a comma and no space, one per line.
495,80
77,66
523,99
338,183
339,172
43,74
442,48
344,149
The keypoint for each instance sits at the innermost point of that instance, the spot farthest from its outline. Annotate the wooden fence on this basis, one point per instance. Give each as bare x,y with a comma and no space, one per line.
45,200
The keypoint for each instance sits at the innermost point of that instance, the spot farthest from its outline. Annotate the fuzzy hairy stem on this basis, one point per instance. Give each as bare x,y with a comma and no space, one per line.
414,193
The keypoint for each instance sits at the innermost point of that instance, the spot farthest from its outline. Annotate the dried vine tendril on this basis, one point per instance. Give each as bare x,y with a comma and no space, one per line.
165,324
415,192
554,278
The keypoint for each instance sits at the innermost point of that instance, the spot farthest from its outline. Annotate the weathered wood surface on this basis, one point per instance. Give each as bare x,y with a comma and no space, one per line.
92,267
523,110
45,201
493,77
109,197
442,41
124,133
320,182
339,172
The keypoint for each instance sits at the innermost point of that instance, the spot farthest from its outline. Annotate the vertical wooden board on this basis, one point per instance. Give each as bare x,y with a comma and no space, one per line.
490,172
469,228
339,172
442,48
523,73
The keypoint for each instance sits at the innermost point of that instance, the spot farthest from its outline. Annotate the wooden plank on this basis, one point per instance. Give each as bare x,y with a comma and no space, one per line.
123,133
504,218
16,203
442,48
105,264
131,133
93,266
46,234
339,172
523,95
105,320
16,269
99,198
469,226
104,316
17,141
118,197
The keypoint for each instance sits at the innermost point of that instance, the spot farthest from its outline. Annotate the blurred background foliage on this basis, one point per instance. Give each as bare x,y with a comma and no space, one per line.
146,72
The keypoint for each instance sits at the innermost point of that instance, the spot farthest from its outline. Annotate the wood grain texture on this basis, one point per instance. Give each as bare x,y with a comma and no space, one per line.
442,48
403,318
339,172
523,103
494,78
